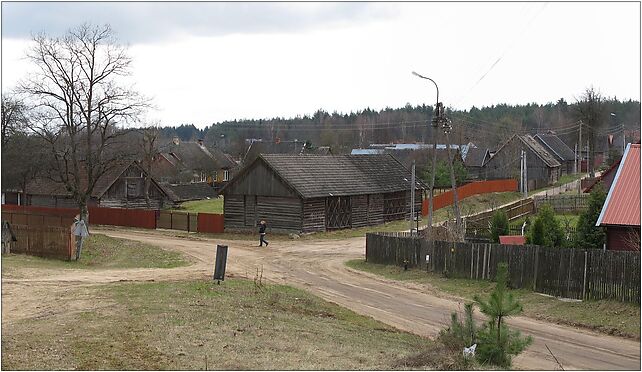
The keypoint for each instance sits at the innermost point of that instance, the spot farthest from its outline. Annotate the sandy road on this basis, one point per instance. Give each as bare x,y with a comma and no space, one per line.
318,266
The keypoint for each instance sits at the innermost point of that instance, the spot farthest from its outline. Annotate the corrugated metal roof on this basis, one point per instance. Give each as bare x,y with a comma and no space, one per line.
622,205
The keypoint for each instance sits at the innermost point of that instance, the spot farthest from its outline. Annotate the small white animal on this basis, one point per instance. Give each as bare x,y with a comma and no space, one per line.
470,351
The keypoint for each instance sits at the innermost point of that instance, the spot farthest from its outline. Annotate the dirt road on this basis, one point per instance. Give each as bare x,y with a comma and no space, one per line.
318,266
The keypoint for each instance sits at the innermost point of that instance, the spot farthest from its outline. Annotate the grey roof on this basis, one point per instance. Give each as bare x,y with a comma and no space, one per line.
193,156
556,146
539,150
476,157
189,191
341,175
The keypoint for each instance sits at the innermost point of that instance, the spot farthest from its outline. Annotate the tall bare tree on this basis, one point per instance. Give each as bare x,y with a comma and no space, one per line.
81,105
590,109
14,116
149,148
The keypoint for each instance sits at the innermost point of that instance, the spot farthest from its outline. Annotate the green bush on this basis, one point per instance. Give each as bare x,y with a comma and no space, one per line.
588,235
546,229
498,225
496,342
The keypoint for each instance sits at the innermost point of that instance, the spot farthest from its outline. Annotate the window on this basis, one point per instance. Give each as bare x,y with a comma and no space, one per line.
226,175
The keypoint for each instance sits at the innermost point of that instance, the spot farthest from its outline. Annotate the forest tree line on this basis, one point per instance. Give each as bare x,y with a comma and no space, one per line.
486,126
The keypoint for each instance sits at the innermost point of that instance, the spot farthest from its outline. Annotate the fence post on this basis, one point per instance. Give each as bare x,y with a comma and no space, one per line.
584,285
536,268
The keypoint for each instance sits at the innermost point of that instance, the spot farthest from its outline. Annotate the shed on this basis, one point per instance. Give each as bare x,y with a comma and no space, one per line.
309,193
475,160
542,167
122,186
620,214
559,149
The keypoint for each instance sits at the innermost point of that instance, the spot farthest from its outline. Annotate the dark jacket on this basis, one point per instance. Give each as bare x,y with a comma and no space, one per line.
262,228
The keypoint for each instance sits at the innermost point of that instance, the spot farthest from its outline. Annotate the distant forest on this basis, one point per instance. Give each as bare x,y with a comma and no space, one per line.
487,126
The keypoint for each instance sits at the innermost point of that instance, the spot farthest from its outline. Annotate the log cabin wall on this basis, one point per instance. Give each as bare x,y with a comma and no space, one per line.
234,212
359,210
375,209
313,215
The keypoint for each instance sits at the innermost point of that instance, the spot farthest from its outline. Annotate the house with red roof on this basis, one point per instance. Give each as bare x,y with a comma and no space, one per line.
621,211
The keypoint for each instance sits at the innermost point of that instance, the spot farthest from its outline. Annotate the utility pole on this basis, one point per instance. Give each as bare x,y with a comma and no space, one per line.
412,198
575,163
525,176
437,118
580,142
447,128
521,171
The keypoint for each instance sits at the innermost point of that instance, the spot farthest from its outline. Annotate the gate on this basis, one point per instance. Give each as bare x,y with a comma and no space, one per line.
338,213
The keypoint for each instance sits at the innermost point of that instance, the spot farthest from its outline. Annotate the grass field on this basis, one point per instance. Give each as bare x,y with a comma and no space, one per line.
101,252
610,317
205,206
200,325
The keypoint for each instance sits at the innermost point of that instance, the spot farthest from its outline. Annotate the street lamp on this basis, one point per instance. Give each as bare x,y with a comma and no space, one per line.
623,133
435,123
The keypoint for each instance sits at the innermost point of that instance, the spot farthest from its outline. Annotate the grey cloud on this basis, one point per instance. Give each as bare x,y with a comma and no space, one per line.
142,22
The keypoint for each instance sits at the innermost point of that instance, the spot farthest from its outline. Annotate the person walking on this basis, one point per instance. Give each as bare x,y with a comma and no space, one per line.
262,227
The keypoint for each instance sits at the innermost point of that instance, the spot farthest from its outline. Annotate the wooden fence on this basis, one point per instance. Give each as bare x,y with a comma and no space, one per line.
44,241
564,203
516,210
474,188
572,273
148,219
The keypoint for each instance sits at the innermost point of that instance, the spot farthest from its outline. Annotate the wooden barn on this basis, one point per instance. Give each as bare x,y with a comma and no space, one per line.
542,167
562,153
121,187
311,193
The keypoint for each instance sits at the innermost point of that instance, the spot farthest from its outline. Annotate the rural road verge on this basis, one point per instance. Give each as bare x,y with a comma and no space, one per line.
318,266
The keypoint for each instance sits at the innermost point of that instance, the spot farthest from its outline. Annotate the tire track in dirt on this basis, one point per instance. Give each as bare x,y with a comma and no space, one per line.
318,266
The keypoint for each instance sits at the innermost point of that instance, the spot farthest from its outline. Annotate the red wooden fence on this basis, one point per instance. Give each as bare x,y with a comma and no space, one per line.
211,223
470,189
123,217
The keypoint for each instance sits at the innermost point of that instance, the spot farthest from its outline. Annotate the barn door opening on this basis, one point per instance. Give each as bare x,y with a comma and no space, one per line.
394,206
338,213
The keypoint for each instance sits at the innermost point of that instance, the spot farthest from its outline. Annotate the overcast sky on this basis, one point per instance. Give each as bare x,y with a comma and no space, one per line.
208,62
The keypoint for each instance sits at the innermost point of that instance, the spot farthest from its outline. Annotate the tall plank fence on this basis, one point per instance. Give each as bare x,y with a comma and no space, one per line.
474,188
571,273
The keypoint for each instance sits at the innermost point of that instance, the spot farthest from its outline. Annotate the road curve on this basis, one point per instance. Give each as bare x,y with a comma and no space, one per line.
318,266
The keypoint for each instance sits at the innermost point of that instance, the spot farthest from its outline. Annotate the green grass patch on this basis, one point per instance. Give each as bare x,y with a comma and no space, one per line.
102,252
204,206
611,317
199,324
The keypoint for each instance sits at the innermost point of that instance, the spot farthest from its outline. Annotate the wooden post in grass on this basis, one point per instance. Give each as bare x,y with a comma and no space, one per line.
584,285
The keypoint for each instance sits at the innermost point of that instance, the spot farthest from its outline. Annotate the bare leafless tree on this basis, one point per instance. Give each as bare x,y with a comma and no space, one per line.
590,109
14,116
81,105
149,148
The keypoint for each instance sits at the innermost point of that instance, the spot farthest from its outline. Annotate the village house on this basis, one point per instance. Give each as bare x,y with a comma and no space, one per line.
562,153
121,187
620,214
542,167
475,160
310,193
181,162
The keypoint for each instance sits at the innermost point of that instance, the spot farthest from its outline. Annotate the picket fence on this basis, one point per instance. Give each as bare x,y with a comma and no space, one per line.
585,274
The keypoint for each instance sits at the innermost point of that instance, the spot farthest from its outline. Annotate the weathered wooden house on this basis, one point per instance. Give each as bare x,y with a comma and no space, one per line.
191,162
556,147
620,214
121,187
475,160
310,193
542,167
